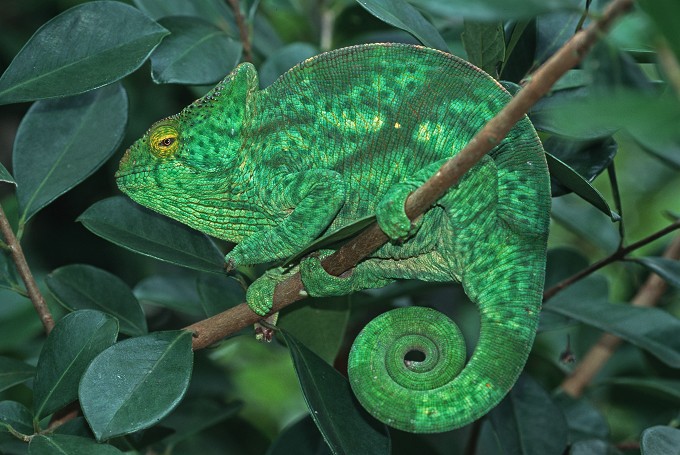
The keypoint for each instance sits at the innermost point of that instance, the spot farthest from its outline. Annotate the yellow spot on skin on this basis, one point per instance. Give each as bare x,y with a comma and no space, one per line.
427,131
488,385
397,125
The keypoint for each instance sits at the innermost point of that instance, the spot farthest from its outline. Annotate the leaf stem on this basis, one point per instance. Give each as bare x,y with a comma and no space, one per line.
213,329
243,30
25,273
617,255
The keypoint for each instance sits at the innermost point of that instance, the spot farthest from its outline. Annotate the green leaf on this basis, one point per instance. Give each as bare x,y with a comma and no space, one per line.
586,221
70,54
70,347
177,293
119,220
576,183
300,438
528,422
485,45
660,440
490,10
668,269
8,273
16,416
196,52
328,317
194,416
215,11
62,444
664,14
401,14
593,447
584,420
5,176
61,142
667,389
345,426
13,372
219,293
283,60
651,329
135,383
79,286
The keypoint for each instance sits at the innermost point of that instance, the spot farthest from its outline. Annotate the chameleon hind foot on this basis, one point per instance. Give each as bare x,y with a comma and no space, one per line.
391,215
319,283
260,294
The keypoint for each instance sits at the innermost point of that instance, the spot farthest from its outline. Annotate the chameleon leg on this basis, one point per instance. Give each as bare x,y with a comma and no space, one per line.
311,199
319,283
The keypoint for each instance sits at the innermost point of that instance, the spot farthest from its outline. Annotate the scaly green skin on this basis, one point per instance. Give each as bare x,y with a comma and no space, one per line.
347,134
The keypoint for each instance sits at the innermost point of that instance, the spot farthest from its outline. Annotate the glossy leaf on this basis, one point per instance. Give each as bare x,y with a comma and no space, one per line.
490,10
196,415
216,11
135,383
584,420
593,447
586,221
651,329
62,444
61,142
219,293
401,14
5,176
668,269
8,272
127,224
485,45
576,183
13,372
283,60
85,47
80,286
345,426
16,416
300,438
663,13
519,50
667,389
70,347
660,440
177,293
528,422
196,52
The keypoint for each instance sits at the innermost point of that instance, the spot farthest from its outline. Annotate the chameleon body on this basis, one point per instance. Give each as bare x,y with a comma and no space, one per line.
348,134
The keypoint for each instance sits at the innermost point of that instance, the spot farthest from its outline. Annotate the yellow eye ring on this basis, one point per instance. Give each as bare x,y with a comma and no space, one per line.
163,139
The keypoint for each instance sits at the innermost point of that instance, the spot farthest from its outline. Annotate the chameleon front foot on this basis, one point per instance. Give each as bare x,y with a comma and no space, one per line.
391,215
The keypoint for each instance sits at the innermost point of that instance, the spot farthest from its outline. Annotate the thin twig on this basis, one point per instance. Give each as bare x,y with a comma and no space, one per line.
617,255
648,295
217,327
25,273
243,30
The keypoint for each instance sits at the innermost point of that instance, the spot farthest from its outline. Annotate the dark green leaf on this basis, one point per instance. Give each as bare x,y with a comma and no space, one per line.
196,52
485,45
17,416
125,223
651,329
586,221
593,447
216,11
660,440
664,14
76,339
135,383
528,422
178,293
62,444
13,372
283,60
401,14
8,272
193,416
300,438
576,183
668,269
587,158
61,142
583,419
328,319
72,54
219,293
490,10
666,151
520,49
5,176
79,286
561,264
346,427
666,389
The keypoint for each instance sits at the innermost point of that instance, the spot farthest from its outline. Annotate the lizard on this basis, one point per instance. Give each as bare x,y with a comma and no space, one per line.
351,133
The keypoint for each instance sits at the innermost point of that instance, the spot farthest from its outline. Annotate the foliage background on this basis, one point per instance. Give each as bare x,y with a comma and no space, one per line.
244,395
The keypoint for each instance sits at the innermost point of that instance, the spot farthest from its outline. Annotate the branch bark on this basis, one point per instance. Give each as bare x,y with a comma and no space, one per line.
243,30
217,327
648,295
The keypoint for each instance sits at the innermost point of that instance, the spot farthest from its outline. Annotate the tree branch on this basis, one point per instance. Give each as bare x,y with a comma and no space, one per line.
243,30
25,273
648,295
217,327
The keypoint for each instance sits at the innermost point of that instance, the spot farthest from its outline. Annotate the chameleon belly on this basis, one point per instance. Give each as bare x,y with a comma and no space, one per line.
347,134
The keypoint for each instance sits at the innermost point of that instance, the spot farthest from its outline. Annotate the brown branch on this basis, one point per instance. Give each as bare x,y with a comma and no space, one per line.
243,30
648,295
25,273
215,328
617,255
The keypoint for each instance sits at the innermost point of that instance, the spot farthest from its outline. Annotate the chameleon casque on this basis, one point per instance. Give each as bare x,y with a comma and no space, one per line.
345,135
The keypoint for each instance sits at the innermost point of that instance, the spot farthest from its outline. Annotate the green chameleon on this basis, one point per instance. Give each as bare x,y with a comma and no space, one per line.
345,135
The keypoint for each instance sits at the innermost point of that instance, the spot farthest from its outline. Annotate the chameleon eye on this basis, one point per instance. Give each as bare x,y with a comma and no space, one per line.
164,139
